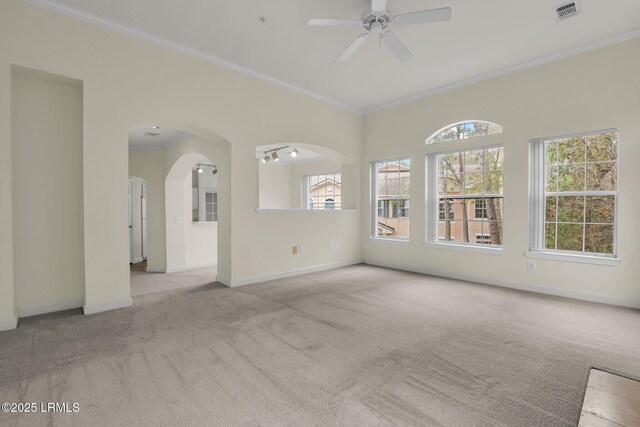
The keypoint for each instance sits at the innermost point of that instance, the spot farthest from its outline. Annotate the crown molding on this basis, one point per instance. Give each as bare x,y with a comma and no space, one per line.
56,6
507,70
90,18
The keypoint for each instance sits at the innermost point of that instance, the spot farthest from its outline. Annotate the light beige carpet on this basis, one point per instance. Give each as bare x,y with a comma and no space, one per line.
359,346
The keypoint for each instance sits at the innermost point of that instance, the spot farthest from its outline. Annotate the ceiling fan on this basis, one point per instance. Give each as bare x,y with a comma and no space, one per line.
377,20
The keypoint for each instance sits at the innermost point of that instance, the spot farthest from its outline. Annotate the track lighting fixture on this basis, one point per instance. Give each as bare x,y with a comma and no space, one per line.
199,168
272,154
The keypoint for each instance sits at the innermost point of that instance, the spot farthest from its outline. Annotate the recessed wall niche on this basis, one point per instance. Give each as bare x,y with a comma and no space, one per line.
47,186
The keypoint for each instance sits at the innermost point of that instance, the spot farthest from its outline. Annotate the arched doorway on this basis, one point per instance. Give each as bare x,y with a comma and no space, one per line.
176,234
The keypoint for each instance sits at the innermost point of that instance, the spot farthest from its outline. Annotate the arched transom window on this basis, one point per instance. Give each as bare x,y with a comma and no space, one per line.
464,130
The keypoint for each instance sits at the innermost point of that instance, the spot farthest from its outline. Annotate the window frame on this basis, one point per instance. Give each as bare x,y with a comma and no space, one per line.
482,207
307,201
433,205
537,204
431,139
373,177
213,204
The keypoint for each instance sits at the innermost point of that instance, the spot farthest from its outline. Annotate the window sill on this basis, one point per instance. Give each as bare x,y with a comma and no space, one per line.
468,248
389,240
585,259
307,211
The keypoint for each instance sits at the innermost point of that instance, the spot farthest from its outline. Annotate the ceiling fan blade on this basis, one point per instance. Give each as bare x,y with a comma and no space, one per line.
378,7
397,47
333,22
423,17
348,52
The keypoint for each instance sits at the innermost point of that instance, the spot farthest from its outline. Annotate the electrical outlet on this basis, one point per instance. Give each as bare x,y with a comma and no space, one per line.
531,265
294,250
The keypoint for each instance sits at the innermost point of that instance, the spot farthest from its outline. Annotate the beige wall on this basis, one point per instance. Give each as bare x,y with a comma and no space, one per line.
276,183
592,91
196,96
47,193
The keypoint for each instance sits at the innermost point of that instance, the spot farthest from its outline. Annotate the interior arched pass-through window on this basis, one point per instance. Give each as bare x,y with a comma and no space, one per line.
464,130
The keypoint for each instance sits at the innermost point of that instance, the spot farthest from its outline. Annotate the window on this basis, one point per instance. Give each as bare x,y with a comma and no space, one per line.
574,182
323,191
464,130
391,205
483,239
382,208
329,204
441,211
402,208
211,206
480,209
467,189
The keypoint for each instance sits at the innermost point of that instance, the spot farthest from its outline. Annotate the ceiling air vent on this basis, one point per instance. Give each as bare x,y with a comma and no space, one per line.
151,134
567,10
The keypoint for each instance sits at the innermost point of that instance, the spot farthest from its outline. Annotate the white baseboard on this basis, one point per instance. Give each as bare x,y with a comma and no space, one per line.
8,324
50,308
282,275
529,287
156,269
188,267
108,305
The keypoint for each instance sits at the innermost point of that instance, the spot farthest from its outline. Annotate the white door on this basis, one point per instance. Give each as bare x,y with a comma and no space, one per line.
144,220
130,222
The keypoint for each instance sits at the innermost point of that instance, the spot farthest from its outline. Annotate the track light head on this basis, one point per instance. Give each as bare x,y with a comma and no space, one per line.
199,169
294,153
215,170
274,156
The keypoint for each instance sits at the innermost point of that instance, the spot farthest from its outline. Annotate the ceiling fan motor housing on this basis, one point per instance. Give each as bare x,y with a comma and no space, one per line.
369,18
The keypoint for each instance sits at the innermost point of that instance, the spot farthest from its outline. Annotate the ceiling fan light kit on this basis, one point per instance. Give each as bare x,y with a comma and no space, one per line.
376,20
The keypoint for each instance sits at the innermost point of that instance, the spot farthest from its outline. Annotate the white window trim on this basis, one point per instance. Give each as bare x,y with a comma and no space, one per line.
203,205
573,257
202,209
430,141
432,207
478,248
306,195
373,201
537,168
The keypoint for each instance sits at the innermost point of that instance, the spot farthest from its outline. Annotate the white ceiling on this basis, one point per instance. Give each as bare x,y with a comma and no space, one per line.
483,37
140,138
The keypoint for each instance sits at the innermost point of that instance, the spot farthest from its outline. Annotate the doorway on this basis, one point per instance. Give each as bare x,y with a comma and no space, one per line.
137,193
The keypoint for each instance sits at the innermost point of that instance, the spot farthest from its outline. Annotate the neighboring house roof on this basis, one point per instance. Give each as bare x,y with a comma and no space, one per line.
386,228
326,182
394,166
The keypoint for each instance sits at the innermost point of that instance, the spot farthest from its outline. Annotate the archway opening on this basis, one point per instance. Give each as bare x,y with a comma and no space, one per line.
186,172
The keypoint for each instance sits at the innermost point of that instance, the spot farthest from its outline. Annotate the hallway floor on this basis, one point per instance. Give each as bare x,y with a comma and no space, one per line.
143,283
